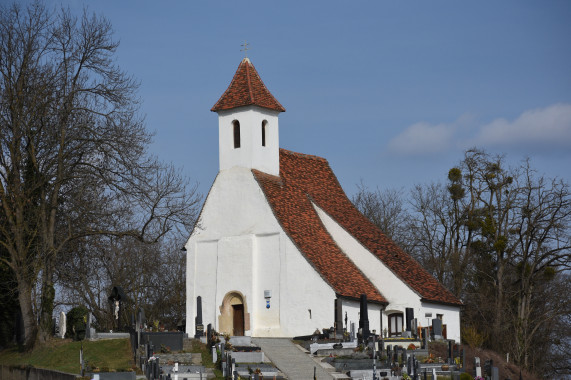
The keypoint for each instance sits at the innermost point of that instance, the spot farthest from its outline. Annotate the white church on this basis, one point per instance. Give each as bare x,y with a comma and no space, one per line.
279,246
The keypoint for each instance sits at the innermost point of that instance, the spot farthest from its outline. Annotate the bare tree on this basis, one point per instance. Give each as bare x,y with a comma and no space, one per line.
73,159
387,210
543,248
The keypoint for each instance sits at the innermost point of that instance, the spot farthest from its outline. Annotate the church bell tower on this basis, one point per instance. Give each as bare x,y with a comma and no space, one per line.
248,131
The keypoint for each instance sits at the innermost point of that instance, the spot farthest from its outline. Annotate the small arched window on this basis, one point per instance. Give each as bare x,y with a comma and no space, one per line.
264,125
236,127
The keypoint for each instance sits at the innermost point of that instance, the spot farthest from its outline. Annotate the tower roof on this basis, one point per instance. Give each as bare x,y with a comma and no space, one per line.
247,89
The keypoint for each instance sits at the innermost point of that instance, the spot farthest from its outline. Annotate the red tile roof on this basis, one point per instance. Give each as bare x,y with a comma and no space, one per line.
305,179
247,89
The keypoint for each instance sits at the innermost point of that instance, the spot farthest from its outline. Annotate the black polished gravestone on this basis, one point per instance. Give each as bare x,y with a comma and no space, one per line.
409,316
364,319
437,328
198,326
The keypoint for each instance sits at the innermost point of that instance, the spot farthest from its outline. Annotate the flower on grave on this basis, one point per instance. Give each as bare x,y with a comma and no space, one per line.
411,347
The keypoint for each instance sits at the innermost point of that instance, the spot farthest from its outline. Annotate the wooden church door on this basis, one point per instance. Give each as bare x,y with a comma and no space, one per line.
238,325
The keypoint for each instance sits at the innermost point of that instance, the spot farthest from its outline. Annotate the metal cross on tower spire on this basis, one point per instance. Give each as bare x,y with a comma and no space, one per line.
245,49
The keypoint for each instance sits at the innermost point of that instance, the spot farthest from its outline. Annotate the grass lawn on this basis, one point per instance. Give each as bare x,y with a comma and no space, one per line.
113,354
206,354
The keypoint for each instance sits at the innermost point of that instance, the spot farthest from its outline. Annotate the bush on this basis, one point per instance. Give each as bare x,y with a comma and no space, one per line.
466,376
75,323
472,337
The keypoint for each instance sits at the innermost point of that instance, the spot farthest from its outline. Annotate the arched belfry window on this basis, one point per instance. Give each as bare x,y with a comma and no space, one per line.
236,126
264,126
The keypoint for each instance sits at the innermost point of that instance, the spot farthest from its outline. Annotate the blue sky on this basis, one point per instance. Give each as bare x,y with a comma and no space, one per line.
390,92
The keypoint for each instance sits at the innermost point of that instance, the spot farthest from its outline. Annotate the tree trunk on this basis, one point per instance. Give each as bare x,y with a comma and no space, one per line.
47,303
30,326
499,309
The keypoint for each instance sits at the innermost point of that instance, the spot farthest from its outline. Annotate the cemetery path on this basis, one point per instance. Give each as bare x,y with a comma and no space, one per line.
294,363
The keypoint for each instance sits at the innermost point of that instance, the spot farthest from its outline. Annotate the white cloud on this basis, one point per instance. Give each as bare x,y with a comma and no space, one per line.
424,138
533,131
548,127
421,138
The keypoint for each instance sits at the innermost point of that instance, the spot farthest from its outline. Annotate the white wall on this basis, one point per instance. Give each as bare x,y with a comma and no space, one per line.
239,246
353,309
251,153
451,318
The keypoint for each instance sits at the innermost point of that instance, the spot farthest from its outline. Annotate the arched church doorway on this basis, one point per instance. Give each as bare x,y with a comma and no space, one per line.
234,318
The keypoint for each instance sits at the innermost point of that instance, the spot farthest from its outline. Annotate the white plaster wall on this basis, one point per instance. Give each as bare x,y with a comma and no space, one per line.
450,318
203,269
304,290
353,309
251,153
238,245
267,268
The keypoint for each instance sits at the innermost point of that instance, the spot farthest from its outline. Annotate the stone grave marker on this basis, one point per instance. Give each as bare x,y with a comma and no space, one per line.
488,364
495,373
477,366
62,324
198,326
414,327
364,318
437,328
88,326
409,316
409,365
338,318
352,331
209,334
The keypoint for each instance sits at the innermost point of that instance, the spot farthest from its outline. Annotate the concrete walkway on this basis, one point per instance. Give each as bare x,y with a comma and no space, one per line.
293,362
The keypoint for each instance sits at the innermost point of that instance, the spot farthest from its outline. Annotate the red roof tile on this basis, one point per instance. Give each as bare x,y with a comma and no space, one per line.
247,89
305,179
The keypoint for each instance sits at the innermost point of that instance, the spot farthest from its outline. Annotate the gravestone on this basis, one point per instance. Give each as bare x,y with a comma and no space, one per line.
477,366
198,326
450,353
414,327
364,319
62,324
209,335
437,328
409,365
434,377
488,364
495,373
425,337
141,321
338,318
88,333
352,332
409,315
